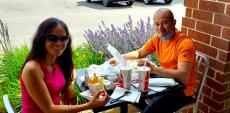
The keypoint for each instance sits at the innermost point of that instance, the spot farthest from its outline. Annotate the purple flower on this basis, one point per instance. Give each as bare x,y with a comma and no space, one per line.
125,39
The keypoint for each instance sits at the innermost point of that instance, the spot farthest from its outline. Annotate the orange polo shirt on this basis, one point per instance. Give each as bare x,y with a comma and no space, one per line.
179,48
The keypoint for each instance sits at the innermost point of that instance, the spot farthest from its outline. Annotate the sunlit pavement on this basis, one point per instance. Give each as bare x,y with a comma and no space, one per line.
24,16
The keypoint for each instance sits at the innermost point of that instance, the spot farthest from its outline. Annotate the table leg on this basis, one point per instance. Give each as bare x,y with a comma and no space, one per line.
124,108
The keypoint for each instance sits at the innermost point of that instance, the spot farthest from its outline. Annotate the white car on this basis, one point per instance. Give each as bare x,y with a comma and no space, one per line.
150,1
107,3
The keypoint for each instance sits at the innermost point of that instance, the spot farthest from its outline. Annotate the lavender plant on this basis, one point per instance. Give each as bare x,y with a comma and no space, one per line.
125,39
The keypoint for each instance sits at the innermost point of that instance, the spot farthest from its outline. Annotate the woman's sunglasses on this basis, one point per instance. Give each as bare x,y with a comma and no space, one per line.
55,38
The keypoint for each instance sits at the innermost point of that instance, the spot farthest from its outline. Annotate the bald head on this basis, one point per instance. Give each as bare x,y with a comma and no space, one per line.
164,11
164,22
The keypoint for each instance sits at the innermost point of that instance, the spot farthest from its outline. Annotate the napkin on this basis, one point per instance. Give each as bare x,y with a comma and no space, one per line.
167,82
116,54
157,89
88,95
133,97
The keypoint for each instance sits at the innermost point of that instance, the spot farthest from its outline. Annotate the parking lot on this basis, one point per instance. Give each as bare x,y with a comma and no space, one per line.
24,16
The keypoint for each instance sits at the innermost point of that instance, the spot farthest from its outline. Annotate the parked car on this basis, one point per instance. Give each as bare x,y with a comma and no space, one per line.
107,3
150,1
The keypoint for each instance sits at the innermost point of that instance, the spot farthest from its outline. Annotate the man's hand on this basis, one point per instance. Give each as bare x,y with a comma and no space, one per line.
141,62
113,61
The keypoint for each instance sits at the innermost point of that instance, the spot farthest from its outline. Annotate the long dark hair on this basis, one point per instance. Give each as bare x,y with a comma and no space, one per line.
38,51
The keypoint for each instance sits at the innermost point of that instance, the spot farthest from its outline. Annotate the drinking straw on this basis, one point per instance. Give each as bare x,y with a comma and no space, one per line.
145,61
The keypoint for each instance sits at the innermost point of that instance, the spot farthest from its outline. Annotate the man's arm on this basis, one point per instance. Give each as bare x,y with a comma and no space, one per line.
140,53
181,73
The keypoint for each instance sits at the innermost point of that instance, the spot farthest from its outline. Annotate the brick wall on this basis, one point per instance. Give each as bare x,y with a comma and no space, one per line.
208,23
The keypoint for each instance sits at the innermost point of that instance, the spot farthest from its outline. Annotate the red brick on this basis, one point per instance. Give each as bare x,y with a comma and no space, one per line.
190,110
203,107
208,28
219,77
227,1
213,111
222,20
227,67
205,49
211,73
220,43
226,33
188,12
205,38
220,97
229,86
206,90
228,10
191,3
212,103
212,6
203,15
190,23
184,30
226,110
215,85
217,65
227,103
224,56
183,111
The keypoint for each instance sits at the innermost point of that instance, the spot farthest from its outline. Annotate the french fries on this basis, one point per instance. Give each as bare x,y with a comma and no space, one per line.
95,80
95,84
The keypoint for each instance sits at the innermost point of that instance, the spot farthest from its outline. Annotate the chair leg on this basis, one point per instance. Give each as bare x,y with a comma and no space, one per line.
194,109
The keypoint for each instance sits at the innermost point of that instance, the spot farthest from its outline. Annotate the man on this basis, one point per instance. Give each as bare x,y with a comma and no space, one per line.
176,55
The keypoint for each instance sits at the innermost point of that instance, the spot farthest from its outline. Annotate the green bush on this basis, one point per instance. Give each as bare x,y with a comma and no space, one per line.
10,67
84,56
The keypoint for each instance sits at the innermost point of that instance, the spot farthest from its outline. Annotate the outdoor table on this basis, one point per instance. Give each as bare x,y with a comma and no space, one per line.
123,104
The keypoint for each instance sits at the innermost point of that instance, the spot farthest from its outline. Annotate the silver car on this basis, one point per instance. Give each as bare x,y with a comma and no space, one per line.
150,1
107,3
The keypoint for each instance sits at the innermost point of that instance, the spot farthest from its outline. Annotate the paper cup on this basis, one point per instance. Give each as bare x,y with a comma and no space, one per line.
125,77
144,74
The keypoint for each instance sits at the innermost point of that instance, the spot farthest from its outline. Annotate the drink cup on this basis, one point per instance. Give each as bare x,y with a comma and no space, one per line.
144,74
125,77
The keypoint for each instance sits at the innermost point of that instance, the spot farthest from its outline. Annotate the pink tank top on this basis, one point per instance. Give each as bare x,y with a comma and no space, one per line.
54,81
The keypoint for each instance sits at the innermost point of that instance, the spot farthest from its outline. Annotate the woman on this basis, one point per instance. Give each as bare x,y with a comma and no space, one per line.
48,73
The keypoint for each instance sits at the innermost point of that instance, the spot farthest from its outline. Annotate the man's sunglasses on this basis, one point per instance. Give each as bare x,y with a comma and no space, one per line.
55,38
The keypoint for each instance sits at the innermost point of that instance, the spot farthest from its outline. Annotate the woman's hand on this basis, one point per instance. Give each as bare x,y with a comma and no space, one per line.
96,101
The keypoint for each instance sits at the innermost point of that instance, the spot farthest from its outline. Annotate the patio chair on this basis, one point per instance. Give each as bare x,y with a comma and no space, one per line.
7,104
201,60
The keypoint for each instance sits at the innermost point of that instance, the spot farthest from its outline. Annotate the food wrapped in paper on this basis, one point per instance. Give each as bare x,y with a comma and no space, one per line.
95,84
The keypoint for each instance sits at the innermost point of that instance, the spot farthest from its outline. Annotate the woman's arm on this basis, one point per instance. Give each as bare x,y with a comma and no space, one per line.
69,96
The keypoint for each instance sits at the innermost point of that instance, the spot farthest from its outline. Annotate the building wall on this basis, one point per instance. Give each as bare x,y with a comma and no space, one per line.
208,23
